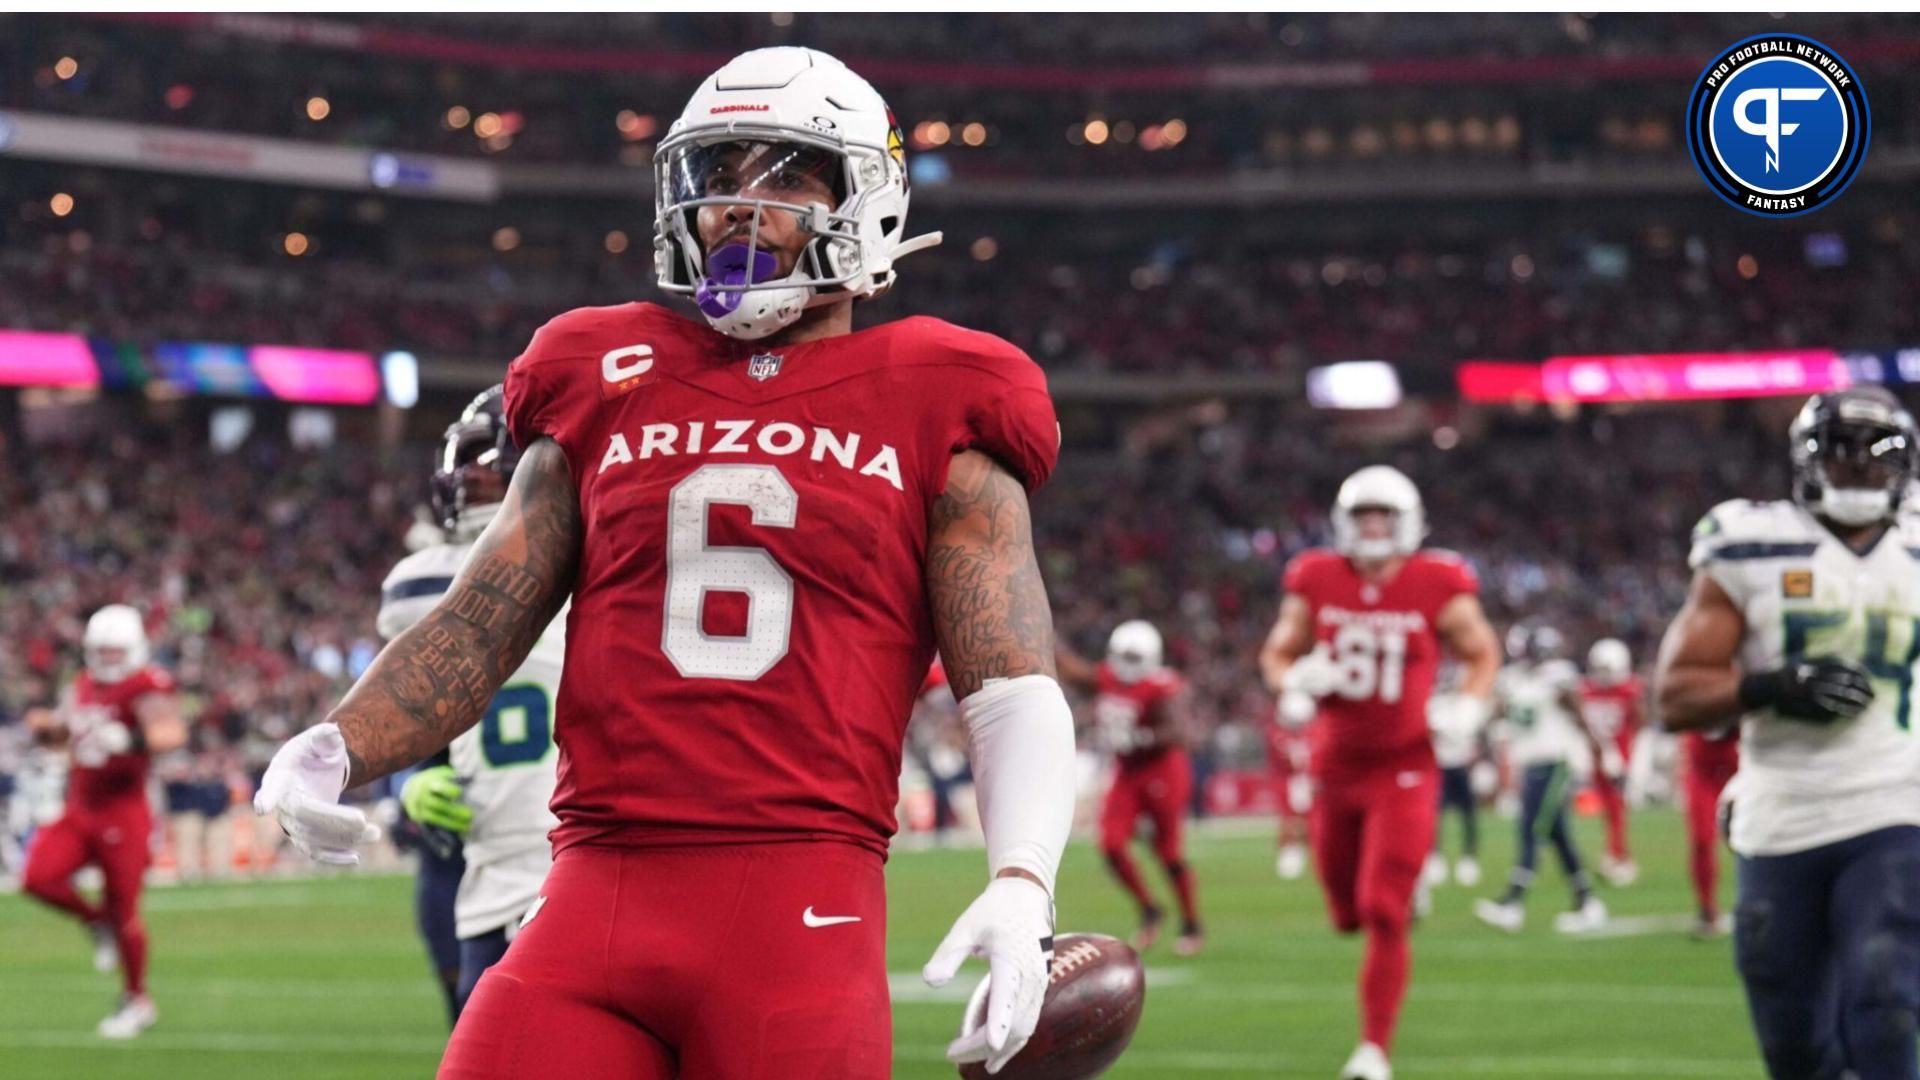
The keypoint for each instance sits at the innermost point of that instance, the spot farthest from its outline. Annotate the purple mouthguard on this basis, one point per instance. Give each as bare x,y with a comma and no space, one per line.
733,265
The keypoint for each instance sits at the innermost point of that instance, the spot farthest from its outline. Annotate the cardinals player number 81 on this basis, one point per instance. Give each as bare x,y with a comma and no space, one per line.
1371,664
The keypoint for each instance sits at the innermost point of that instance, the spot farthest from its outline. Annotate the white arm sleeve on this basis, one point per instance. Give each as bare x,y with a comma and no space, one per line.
1020,739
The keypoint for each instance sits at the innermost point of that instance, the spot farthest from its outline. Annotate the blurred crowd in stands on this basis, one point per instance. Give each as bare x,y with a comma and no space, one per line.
1019,95
145,259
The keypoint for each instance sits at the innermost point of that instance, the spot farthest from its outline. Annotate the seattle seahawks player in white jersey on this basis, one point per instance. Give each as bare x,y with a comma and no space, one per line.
1803,625
495,788
1537,693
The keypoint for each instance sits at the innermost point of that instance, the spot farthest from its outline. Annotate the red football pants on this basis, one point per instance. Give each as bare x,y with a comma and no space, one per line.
1371,833
1160,787
729,962
1703,837
116,838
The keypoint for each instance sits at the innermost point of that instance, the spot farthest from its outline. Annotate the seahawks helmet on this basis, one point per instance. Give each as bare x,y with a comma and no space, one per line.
1854,454
478,440
1534,643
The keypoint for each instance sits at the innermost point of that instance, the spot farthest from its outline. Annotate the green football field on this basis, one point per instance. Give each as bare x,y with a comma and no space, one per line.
323,978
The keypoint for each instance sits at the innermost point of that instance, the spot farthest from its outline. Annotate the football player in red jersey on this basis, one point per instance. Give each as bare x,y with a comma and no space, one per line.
1360,631
118,712
1712,757
1139,710
766,523
1610,703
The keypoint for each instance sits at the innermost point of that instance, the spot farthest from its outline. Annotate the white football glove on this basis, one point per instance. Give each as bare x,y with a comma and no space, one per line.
1011,924
1314,674
1460,716
302,790
1296,710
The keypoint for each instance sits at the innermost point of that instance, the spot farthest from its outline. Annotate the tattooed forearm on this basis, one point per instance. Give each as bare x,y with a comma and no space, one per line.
434,681
990,608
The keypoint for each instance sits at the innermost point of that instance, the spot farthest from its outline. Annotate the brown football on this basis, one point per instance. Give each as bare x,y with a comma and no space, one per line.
1094,999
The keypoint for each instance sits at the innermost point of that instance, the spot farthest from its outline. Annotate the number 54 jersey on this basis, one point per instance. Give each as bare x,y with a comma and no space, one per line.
1803,593
1384,641
750,616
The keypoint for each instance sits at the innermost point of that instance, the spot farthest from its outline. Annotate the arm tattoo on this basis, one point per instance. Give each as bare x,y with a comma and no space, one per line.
434,681
990,608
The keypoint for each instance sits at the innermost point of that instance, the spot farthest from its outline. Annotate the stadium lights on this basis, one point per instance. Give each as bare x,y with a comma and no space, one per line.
1096,131
318,108
296,244
506,238
635,126
61,204
400,372
616,242
458,117
984,249
1354,384
66,68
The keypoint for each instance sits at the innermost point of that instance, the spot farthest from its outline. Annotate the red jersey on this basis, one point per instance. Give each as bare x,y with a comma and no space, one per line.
1136,718
97,778
1383,639
1612,712
750,619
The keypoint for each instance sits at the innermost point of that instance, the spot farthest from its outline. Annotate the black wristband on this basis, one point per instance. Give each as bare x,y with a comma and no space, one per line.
136,739
1761,689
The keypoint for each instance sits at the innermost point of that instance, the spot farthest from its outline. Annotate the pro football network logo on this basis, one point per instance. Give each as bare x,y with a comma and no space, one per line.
763,366
1778,125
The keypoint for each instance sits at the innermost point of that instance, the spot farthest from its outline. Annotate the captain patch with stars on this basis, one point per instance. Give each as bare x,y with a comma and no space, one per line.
1778,125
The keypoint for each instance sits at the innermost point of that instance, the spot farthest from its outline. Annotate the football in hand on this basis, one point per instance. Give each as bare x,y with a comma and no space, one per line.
1094,998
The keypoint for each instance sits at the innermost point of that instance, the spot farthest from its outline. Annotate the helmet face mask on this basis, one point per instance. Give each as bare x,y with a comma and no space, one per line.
475,446
1854,454
776,137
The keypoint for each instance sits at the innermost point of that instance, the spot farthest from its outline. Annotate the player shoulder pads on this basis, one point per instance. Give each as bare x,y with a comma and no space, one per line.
994,396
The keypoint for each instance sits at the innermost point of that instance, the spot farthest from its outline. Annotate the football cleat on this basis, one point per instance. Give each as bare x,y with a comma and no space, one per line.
1619,873
135,1015
1466,872
1507,917
1584,919
1710,928
106,952
1368,1062
1149,932
1190,941
1291,864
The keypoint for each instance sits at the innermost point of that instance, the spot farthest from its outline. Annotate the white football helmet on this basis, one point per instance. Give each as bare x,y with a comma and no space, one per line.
1608,662
1134,650
1387,488
115,643
775,111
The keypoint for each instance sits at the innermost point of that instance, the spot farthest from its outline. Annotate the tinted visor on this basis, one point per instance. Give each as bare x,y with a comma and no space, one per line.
1855,454
779,172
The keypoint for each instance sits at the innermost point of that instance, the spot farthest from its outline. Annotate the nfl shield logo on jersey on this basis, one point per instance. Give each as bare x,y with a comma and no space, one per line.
763,366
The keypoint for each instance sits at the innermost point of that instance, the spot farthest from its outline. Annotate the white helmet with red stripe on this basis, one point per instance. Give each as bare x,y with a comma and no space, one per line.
782,108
